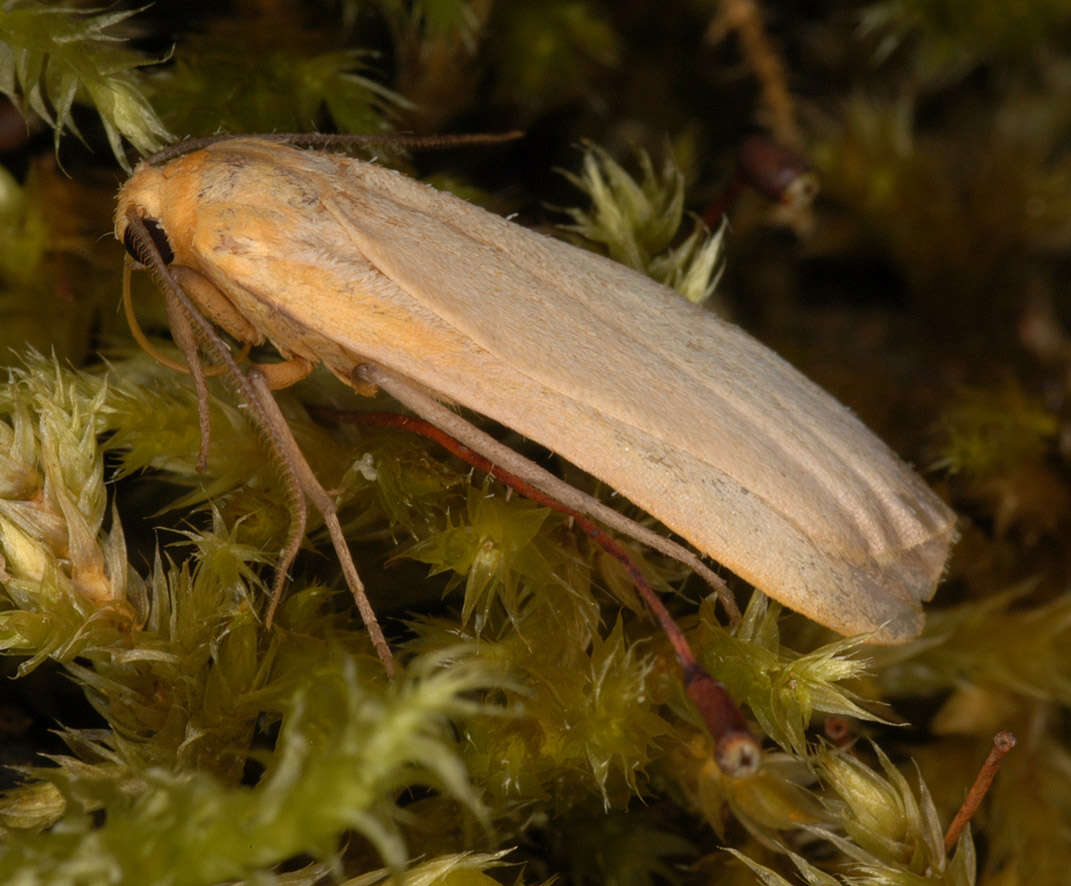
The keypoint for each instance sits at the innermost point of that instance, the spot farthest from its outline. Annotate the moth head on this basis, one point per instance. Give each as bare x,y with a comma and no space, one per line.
142,217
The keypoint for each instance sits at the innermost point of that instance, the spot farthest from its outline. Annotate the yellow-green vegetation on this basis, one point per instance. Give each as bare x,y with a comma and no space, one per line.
156,733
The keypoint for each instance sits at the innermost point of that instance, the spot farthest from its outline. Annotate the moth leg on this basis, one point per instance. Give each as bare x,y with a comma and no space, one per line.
284,444
221,311
301,482
286,373
737,751
214,304
449,421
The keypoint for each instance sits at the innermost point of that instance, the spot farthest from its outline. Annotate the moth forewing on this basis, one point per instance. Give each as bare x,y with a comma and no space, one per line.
346,263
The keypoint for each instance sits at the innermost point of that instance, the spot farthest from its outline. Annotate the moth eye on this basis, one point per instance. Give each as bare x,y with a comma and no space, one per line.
138,248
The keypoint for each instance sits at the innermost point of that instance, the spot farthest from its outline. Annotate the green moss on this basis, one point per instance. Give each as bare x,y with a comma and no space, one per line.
641,223
52,56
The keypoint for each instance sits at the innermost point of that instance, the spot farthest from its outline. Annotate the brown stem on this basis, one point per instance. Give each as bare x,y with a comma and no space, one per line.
1003,742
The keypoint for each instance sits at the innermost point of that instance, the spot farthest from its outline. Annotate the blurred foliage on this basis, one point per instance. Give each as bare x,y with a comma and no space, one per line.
539,728
955,36
51,56
276,87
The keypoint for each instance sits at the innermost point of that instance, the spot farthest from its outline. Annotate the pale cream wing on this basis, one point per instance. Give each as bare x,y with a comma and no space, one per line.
683,381
684,414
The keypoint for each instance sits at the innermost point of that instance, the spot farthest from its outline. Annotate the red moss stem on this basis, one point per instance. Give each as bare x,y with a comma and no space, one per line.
1003,742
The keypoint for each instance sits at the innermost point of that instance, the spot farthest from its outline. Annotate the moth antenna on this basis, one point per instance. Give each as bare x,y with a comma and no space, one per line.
330,140
150,255
296,505
430,409
187,342
411,142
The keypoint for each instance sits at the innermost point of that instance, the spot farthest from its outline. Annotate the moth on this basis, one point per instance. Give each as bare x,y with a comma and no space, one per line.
392,284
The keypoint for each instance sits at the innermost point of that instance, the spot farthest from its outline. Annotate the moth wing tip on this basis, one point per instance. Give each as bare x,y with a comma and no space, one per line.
902,629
